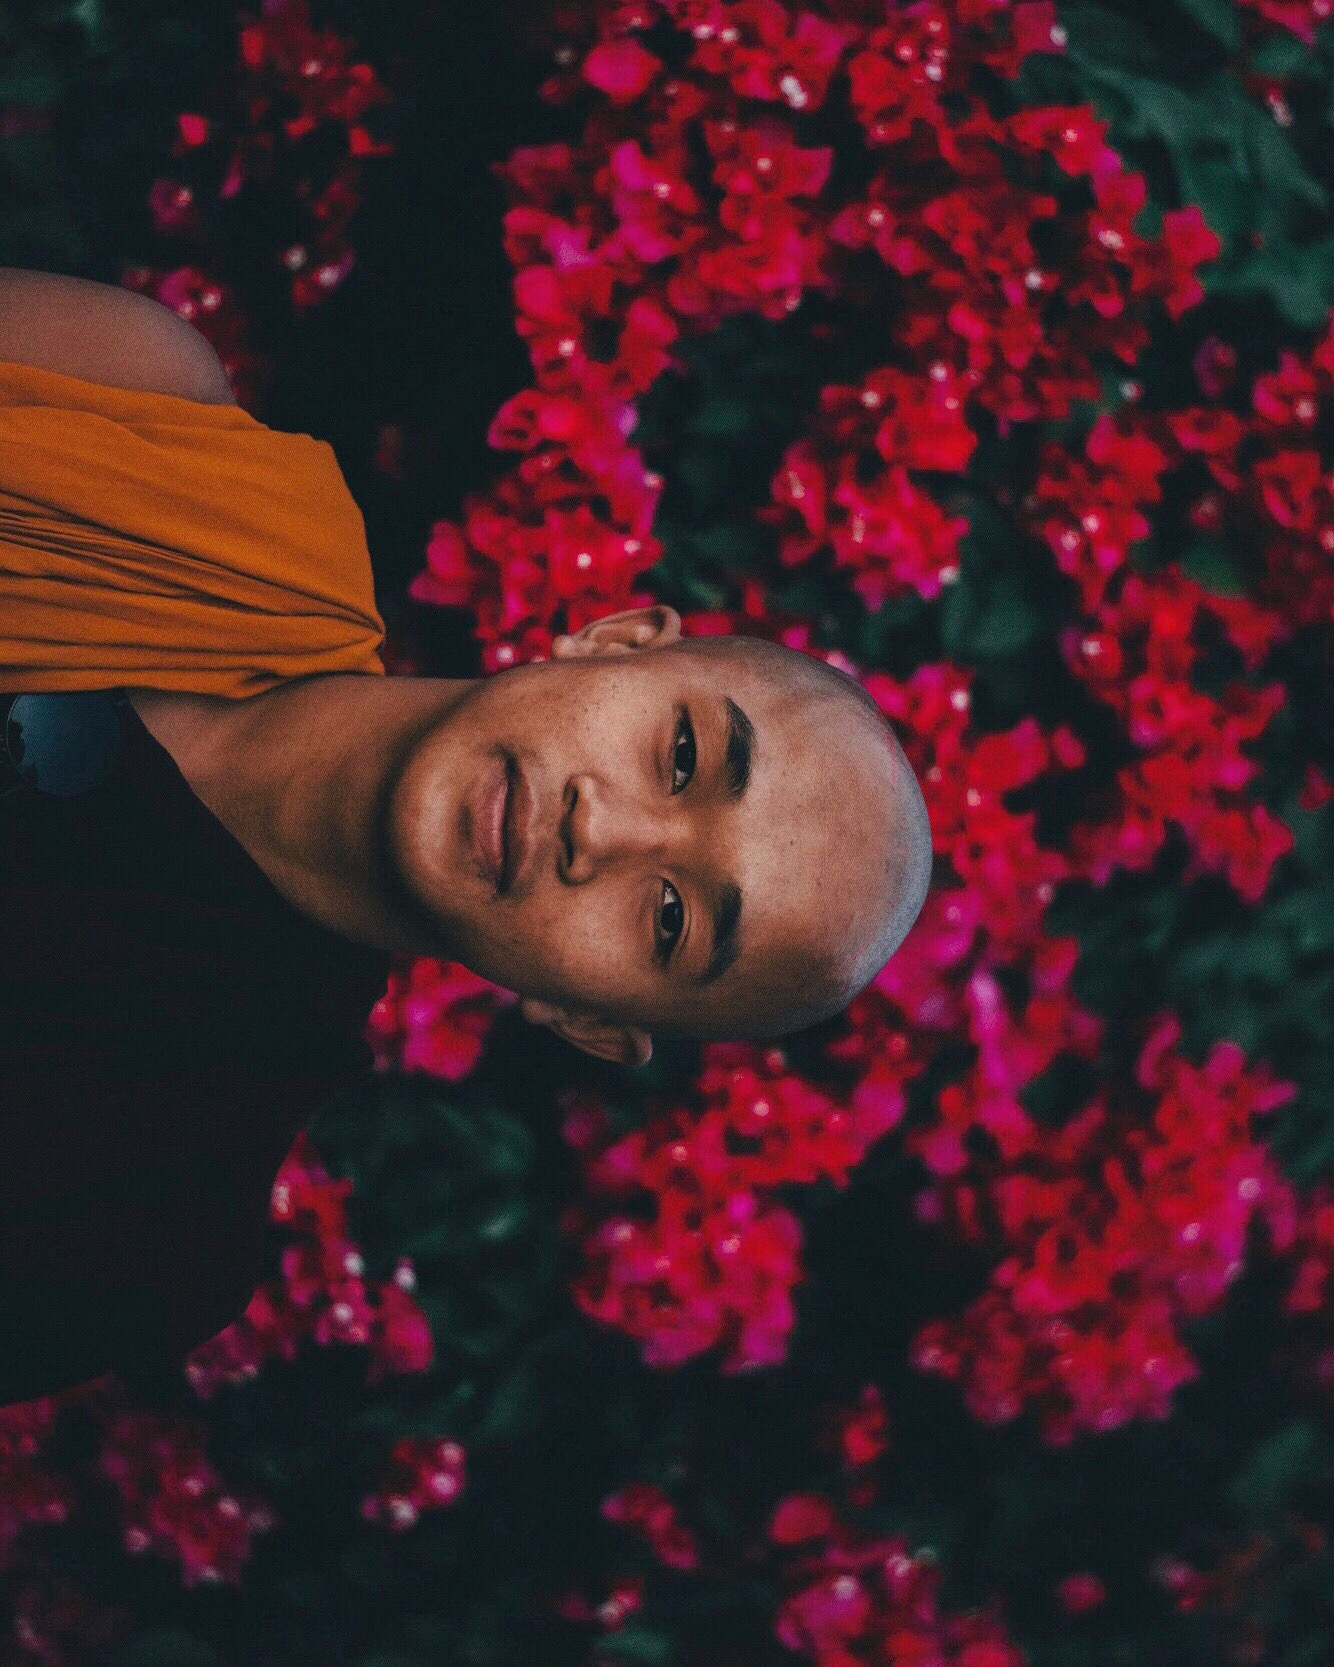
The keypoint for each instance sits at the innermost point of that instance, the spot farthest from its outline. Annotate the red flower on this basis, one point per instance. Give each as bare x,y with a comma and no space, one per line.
622,69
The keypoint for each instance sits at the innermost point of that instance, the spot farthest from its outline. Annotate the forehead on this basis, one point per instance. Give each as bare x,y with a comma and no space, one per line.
808,841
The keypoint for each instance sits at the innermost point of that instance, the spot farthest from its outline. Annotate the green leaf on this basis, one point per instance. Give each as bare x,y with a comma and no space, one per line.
1006,620
1229,155
1274,164
510,1147
1284,55
1211,563
1269,959
513,1408
1102,37
990,610
1314,1651
728,543
1263,1485
29,77
1300,282
1310,920
1210,177
958,613
1154,108
721,418
637,1644
1315,1162
91,14
1217,18
705,475
505,1222
166,1646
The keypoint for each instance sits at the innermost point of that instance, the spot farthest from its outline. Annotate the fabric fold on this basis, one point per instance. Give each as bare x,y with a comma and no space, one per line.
154,541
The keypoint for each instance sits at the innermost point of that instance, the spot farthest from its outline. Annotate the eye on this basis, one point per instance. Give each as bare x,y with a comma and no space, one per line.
671,918
683,753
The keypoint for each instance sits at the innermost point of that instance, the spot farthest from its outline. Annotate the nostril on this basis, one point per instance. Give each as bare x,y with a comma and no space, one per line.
566,823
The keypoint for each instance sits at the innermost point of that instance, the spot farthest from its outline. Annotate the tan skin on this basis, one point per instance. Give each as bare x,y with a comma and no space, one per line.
359,797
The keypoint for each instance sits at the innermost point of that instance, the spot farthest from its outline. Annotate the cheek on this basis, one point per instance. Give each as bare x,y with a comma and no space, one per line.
576,945
609,720
585,938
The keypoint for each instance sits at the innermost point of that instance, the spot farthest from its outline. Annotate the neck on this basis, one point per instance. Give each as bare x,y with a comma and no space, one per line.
301,777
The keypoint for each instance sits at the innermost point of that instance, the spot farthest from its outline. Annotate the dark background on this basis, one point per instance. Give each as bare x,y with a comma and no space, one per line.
556,1413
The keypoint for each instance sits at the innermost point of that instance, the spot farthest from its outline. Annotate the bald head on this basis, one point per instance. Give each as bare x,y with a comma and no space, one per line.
873,810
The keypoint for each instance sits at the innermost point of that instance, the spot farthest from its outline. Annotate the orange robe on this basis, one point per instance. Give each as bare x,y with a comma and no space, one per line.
149,540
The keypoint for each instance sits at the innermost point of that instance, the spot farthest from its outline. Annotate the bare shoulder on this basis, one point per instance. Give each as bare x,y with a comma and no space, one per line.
106,334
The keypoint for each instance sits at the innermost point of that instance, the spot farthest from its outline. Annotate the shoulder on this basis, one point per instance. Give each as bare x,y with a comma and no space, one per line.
106,334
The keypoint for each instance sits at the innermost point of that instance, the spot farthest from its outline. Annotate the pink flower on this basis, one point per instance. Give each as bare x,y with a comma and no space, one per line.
622,69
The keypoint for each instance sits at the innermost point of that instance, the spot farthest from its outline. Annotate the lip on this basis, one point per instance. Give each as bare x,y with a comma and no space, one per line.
497,823
517,827
484,817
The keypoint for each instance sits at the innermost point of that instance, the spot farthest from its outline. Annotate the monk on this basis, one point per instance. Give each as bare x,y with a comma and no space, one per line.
221,821
710,837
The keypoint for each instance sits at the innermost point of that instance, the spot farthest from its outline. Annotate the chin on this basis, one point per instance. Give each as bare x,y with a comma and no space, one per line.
422,847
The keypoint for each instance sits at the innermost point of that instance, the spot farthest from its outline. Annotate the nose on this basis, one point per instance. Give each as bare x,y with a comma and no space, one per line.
603,825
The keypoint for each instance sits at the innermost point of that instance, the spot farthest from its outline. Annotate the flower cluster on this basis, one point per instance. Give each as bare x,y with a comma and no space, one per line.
846,1597
1006,252
323,1295
173,1502
857,1435
292,80
1263,488
1255,485
612,1611
433,1017
1192,766
850,1597
1247,1575
1313,1253
1080,1592
713,1259
1115,1228
682,205
30,1492
51,1619
1307,1352
653,1514
423,1474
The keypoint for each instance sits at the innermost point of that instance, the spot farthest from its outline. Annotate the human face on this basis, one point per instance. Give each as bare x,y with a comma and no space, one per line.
584,829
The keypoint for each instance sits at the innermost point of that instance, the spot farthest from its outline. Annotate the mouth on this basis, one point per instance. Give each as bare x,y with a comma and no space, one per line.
497,820
516,827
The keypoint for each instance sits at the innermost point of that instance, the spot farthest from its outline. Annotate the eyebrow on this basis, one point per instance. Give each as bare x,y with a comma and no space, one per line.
740,748
725,907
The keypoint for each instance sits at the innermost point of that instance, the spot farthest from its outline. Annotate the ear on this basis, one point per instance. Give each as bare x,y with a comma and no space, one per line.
621,1044
618,633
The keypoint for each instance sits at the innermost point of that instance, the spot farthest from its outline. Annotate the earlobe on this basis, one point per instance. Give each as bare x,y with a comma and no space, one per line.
539,1012
621,1044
